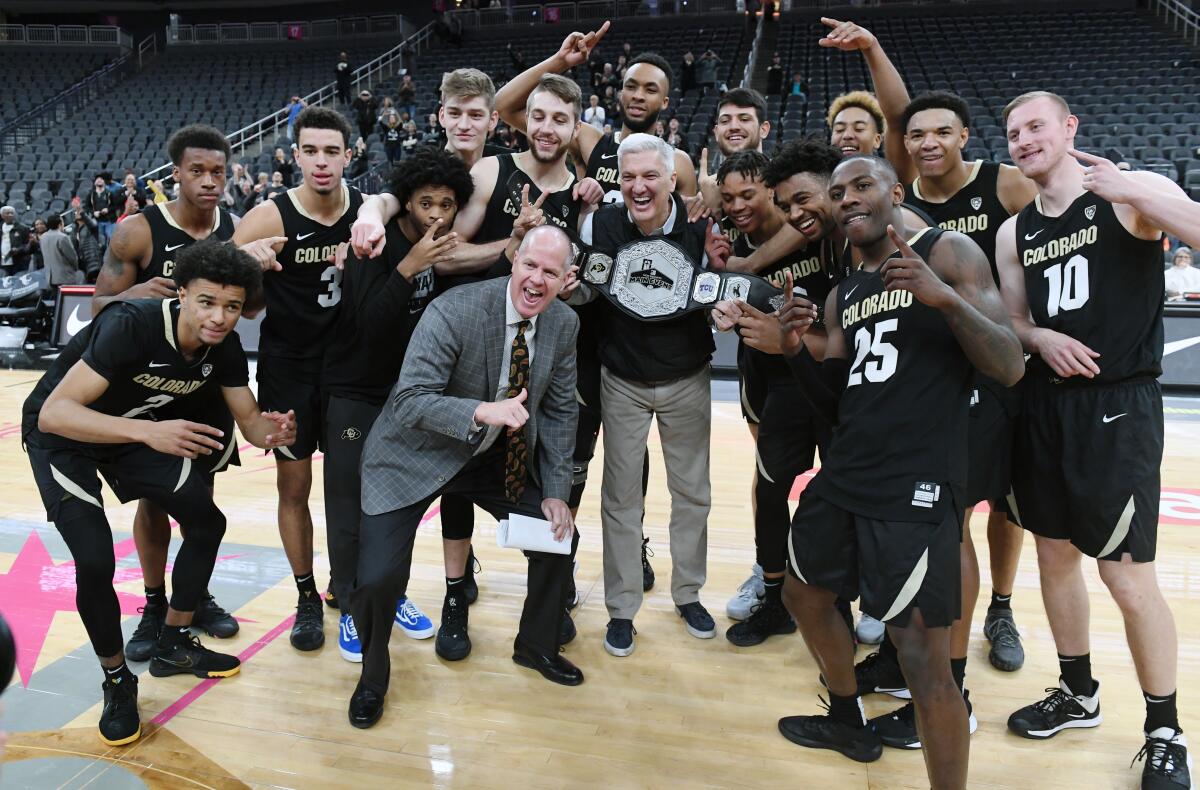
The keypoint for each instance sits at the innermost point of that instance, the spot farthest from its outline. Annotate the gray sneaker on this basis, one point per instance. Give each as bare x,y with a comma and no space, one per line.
869,630
748,596
1006,653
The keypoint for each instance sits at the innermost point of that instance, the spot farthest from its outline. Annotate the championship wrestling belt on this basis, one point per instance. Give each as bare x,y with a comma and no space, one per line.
654,280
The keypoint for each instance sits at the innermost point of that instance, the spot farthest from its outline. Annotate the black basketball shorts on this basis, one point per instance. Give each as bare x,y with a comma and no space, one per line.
1087,464
895,566
990,433
752,385
208,407
287,384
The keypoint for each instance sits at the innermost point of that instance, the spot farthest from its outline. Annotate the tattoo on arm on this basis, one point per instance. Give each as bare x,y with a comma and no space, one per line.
979,320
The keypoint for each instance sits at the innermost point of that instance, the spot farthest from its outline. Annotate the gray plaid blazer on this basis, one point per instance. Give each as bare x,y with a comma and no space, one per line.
423,437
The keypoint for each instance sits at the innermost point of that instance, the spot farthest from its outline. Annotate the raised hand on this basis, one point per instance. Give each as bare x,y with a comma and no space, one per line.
759,330
588,191
706,184
531,214
847,36
264,250
507,413
154,288
795,318
1104,179
428,251
718,247
367,237
911,273
577,46
183,438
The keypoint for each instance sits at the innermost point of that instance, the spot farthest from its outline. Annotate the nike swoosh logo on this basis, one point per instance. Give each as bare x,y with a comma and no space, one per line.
852,290
75,324
169,248
1180,345
185,664
1032,236
159,364
303,236
1108,419
1077,715
608,156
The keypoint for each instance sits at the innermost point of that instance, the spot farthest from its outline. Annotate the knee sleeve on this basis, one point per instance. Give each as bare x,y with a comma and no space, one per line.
205,528
86,532
458,518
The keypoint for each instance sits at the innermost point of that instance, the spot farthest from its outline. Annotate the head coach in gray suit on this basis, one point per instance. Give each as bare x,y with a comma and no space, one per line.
487,386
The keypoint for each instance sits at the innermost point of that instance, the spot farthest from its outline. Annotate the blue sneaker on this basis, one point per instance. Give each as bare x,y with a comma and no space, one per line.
412,621
348,644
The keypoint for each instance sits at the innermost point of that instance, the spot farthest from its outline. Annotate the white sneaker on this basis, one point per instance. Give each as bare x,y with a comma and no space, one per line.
748,596
869,630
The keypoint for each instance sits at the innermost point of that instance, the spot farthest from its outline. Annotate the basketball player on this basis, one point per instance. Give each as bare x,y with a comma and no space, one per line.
1081,268
386,296
786,435
99,409
884,520
140,263
741,126
302,290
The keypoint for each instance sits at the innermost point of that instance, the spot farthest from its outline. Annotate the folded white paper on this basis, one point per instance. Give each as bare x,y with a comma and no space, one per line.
529,534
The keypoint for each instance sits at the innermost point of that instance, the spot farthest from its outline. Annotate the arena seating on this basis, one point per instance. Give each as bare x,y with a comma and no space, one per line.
30,77
1131,82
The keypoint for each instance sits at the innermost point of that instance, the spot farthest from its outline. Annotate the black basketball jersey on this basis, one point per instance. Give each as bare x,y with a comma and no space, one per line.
504,206
975,210
602,166
1088,277
134,345
302,299
167,239
899,451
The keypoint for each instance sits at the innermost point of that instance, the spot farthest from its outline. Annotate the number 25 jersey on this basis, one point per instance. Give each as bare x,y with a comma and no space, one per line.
899,451
1086,276
302,299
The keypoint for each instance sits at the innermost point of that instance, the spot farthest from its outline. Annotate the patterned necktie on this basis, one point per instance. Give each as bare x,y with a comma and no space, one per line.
516,453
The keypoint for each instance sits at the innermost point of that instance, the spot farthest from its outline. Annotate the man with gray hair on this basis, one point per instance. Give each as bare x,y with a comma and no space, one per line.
656,369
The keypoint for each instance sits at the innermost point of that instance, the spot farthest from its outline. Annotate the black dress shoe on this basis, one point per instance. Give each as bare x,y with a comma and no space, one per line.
566,631
366,707
555,668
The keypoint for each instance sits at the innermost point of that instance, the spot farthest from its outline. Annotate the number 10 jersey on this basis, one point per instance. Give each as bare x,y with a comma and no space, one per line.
899,450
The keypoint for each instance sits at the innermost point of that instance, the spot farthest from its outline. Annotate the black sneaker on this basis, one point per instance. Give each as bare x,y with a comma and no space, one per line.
119,720
1060,711
698,621
1006,653
189,657
1168,764
331,599
566,629
210,618
880,674
618,640
767,619
822,732
453,643
898,729
308,632
471,587
647,571
142,644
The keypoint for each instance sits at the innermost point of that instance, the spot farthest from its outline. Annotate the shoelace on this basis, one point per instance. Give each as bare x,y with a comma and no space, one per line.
308,613
476,565
351,628
646,550
1003,632
454,615
409,610
751,586
1163,757
213,607
1056,700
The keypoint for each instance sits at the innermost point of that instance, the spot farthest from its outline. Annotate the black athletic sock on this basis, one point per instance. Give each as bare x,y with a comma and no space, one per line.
773,591
847,710
1001,602
958,668
1076,672
454,586
173,635
307,585
156,596
122,671
1161,712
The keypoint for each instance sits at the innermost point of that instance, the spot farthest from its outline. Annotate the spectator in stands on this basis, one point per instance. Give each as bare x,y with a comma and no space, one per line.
433,132
659,130
258,192
1182,277
596,70
612,112
35,244
407,95
277,185
14,241
342,73
706,71
687,72
620,69
99,203
87,248
137,180
393,137
59,255
594,114
238,188
610,78
517,58
360,161
410,139
283,163
675,137
132,192
798,87
607,130
366,110
388,107
775,76
293,109
627,51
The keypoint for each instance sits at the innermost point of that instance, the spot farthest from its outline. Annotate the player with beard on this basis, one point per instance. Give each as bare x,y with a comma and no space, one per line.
885,521
786,434
139,264
1082,274
645,93
99,410
741,126
386,296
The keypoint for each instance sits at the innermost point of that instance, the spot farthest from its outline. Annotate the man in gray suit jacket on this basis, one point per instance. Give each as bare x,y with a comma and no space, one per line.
488,383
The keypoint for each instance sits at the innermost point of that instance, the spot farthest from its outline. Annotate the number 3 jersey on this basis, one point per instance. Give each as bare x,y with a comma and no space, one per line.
303,297
899,451
134,346
1088,277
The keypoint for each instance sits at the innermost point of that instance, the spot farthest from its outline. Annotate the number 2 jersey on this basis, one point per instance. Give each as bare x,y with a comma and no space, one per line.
1088,277
134,346
302,299
899,450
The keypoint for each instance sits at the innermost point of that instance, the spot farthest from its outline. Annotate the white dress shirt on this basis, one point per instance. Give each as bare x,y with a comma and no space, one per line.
511,319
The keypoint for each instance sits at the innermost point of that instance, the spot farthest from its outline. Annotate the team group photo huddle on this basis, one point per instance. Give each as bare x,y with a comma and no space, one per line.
650,400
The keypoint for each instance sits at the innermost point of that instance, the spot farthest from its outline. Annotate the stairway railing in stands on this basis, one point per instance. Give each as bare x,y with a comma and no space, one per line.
254,32
586,10
1182,19
748,74
33,123
65,35
387,63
